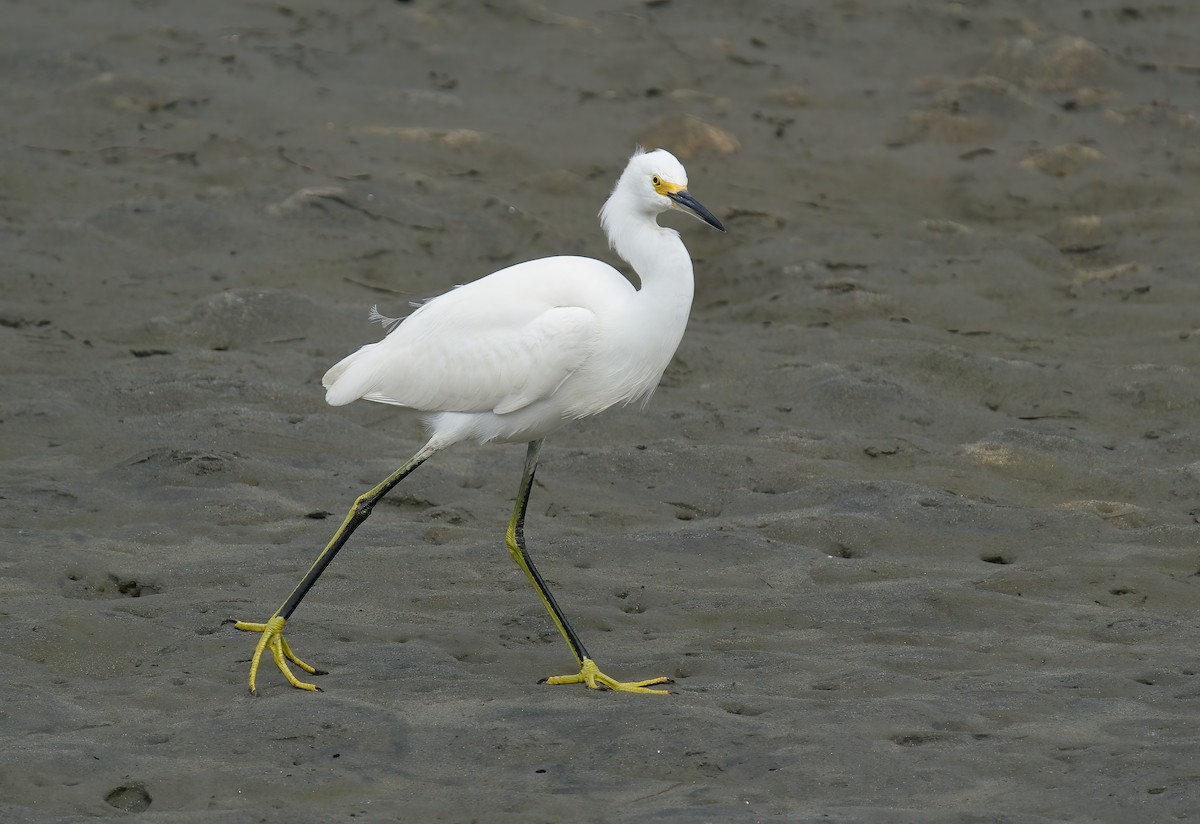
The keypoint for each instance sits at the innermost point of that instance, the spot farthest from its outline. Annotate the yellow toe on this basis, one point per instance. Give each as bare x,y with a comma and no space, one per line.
272,637
591,675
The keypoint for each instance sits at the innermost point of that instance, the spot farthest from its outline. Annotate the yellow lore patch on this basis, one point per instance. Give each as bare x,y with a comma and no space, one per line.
665,187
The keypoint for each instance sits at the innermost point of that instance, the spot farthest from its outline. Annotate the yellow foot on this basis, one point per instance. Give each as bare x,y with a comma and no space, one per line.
591,675
272,636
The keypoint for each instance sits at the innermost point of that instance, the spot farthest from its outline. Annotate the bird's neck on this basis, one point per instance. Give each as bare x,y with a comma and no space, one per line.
660,260
658,313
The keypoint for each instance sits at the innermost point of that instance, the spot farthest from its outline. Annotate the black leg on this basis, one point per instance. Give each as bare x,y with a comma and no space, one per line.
515,539
358,513
589,673
272,630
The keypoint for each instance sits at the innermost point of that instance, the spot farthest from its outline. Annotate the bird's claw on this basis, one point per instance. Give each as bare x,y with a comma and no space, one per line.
591,675
272,636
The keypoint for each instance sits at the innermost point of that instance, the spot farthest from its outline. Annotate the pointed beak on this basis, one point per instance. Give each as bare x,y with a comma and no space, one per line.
683,200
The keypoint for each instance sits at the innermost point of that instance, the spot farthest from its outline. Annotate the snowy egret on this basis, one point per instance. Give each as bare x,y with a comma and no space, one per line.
513,356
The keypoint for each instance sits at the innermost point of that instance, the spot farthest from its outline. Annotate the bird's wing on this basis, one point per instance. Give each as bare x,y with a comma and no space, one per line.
470,350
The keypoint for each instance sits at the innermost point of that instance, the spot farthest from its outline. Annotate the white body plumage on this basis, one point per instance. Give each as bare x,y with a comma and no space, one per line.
513,356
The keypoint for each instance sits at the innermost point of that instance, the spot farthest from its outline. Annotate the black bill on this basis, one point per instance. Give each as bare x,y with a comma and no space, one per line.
685,201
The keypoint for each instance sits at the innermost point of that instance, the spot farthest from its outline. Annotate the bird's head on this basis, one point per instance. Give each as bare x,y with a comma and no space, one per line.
658,182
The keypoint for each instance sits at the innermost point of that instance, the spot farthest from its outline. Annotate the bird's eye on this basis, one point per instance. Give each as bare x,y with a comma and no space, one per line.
656,181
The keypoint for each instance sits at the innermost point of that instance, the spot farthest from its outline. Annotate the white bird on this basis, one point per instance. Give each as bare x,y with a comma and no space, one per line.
514,356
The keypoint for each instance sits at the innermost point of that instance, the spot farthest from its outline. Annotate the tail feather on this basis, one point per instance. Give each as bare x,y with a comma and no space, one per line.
343,383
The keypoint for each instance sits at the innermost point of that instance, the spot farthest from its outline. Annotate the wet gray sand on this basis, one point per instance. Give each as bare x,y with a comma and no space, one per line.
912,520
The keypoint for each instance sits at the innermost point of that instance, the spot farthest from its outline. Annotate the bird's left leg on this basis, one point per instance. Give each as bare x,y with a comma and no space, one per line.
589,673
272,631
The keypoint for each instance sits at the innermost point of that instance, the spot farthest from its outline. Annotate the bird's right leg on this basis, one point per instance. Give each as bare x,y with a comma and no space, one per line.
589,674
272,631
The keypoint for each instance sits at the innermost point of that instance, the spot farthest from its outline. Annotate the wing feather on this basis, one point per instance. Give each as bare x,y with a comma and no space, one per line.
491,345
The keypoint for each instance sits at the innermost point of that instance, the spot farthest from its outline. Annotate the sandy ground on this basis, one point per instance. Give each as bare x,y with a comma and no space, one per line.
912,520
